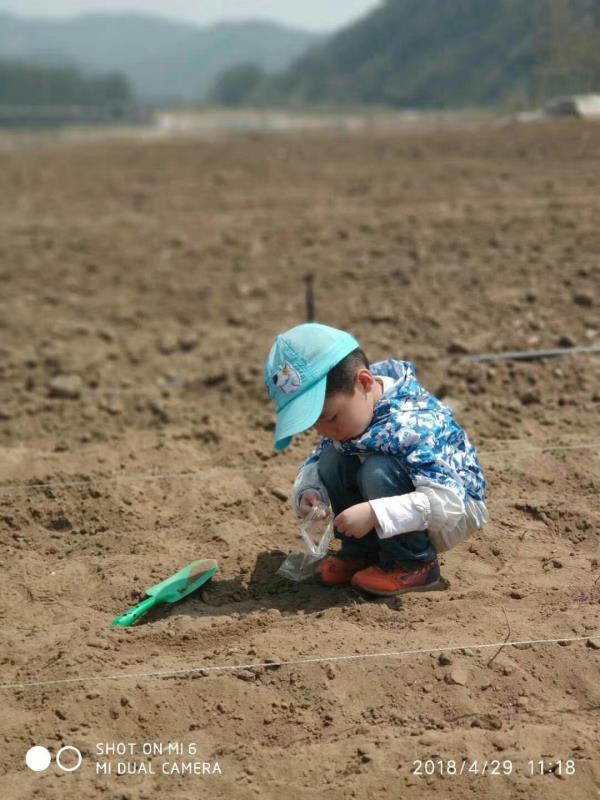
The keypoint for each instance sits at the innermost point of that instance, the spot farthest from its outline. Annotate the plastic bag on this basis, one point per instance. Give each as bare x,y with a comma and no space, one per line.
316,531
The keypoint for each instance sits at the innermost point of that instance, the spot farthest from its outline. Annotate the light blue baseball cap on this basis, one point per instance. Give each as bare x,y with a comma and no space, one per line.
295,375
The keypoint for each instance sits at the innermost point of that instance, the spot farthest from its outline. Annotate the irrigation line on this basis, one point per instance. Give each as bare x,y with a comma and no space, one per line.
179,382
533,355
294,662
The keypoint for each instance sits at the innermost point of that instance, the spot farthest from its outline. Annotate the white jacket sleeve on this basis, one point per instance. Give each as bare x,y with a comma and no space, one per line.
308,478
402,513
437,509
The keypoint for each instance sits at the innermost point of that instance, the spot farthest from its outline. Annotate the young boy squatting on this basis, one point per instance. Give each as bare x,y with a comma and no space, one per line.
402,478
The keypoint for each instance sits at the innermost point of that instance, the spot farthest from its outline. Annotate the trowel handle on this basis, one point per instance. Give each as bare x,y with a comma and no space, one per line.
129,617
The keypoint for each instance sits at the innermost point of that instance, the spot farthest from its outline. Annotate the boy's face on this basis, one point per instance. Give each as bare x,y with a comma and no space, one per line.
347,416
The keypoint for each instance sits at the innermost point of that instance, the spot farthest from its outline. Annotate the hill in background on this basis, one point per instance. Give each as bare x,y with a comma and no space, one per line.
439,54
164,60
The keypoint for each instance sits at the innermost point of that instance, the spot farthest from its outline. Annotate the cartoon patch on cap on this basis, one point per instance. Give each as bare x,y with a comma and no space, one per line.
287,379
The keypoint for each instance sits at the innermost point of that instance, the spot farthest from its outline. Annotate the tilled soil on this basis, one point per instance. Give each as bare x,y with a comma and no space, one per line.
142,286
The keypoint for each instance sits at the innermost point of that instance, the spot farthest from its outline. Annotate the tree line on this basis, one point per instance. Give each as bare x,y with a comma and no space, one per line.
38,85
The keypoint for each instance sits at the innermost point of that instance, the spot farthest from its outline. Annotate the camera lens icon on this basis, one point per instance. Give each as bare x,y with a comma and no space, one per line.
38,758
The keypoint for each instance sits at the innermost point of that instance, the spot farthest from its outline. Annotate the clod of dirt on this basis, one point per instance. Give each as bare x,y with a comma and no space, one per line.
457,347
530,398
168,344
457,676
566,341
59,523
68,387
584,299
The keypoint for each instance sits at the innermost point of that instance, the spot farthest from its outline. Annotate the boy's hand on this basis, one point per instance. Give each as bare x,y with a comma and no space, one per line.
356,521
308,500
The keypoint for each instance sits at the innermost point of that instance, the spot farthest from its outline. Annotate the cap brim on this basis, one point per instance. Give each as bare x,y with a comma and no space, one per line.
300,414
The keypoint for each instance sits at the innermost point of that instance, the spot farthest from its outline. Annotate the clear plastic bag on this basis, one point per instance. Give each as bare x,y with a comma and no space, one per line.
316,531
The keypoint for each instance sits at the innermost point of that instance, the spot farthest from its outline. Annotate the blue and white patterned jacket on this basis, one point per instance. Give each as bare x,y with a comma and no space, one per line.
443,465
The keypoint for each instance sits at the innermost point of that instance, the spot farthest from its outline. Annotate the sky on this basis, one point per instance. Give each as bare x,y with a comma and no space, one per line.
317,15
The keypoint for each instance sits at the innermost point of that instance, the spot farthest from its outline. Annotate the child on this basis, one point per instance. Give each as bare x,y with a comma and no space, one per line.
403,480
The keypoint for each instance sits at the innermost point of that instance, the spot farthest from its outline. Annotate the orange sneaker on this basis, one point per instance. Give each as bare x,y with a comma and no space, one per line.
335,571
405,577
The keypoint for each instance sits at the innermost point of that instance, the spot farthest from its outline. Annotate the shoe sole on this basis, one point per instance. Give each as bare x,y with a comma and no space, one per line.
439,585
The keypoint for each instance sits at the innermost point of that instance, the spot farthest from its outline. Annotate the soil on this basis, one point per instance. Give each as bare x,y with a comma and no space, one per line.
142,285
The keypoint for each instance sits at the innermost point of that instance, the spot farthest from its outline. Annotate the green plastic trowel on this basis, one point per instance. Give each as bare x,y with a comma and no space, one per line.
175,588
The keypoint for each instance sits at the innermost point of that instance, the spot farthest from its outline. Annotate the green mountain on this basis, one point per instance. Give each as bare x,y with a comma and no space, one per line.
163,59
446,53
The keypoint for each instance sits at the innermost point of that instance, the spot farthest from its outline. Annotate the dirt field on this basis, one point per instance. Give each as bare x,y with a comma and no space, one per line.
142,285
